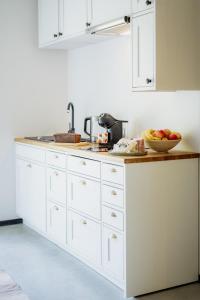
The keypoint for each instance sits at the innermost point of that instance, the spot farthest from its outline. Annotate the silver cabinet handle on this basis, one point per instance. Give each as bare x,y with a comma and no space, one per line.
114,236
84,222
113,215
56,173
83,163
29,166
113,170
56,208
56,156
83,182
114,193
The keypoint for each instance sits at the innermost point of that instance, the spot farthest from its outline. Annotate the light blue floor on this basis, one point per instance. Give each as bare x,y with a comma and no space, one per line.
45,272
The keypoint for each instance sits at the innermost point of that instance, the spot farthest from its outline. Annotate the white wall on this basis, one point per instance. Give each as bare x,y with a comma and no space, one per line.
99,80
32,89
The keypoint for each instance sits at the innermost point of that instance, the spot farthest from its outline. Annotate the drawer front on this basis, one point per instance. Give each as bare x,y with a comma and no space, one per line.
113,173
84,166
113,196
84,237
56,159
113,253
32,153
142,5
113,217
84,195
56,222
56,185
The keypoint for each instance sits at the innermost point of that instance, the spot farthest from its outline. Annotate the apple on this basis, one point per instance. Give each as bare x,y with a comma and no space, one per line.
179,137
158,134
172,136
167,132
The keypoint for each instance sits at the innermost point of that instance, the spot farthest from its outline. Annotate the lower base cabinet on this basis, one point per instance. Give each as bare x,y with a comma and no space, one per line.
84,237
56,222
113,253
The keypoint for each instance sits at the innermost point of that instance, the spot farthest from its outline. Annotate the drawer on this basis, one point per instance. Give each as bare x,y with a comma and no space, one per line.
142,5
32,153
56,159
84,166
84,195
113,173
113,217
56,185
113,253
84,237
113,195
56,222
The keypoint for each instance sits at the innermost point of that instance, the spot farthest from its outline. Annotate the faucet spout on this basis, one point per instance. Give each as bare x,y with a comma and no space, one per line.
70,107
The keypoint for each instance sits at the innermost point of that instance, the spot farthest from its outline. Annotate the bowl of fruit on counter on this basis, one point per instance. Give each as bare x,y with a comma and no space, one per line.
161,140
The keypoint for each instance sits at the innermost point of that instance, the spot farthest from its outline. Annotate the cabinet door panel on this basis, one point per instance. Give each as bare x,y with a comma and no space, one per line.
143,50
56,185
73,17
113,253
48,20
140,5
84,195
85,237
107,10
56,222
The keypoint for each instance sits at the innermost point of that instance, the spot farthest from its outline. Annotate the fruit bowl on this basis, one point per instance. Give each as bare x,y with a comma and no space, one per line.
162,145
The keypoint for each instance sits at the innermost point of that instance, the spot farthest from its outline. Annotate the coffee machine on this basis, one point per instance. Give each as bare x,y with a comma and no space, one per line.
114,128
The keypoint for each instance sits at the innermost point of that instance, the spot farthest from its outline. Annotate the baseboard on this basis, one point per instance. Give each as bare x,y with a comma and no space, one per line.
11,222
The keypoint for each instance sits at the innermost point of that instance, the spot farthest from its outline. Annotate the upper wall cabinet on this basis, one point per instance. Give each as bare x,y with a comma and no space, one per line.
107,10
165,45
61,19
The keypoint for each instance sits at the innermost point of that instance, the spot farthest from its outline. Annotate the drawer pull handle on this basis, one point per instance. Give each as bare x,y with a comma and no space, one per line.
113,170
56,173
29,166
114,236
114,193
83,182
83,163
84,222
113,215
56,156
148,2
56,208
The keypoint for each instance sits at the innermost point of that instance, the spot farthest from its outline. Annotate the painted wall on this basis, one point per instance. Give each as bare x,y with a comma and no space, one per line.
32,89
99,80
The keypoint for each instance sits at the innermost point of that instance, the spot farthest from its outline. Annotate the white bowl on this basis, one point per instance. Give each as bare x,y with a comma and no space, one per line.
162,146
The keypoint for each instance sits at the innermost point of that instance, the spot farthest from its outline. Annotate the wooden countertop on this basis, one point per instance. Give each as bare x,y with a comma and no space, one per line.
81,151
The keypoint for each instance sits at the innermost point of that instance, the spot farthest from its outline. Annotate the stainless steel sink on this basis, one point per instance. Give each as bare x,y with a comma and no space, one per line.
44,139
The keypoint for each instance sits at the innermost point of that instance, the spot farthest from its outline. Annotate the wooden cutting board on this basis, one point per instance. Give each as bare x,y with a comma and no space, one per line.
81,144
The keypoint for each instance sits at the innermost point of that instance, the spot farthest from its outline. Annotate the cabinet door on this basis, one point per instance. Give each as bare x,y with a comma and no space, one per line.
48,20
56,222
56,185
22,206
113,253
73,17
140,5
143,32
84,195
108,10
84,237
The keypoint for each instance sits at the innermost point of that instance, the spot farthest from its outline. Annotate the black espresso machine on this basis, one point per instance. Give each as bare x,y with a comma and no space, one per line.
114,128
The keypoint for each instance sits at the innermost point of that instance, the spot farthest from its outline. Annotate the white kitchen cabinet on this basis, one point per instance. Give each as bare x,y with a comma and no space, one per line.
56,186
84,237
48,21
165,46
113,253
108,10
31,198
141,5
143,51
56,222
84,195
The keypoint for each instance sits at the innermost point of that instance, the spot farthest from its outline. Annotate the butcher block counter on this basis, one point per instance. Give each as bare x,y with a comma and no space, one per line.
79,150
135,223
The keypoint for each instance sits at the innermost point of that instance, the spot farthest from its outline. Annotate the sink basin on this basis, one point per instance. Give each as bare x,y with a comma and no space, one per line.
44,139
